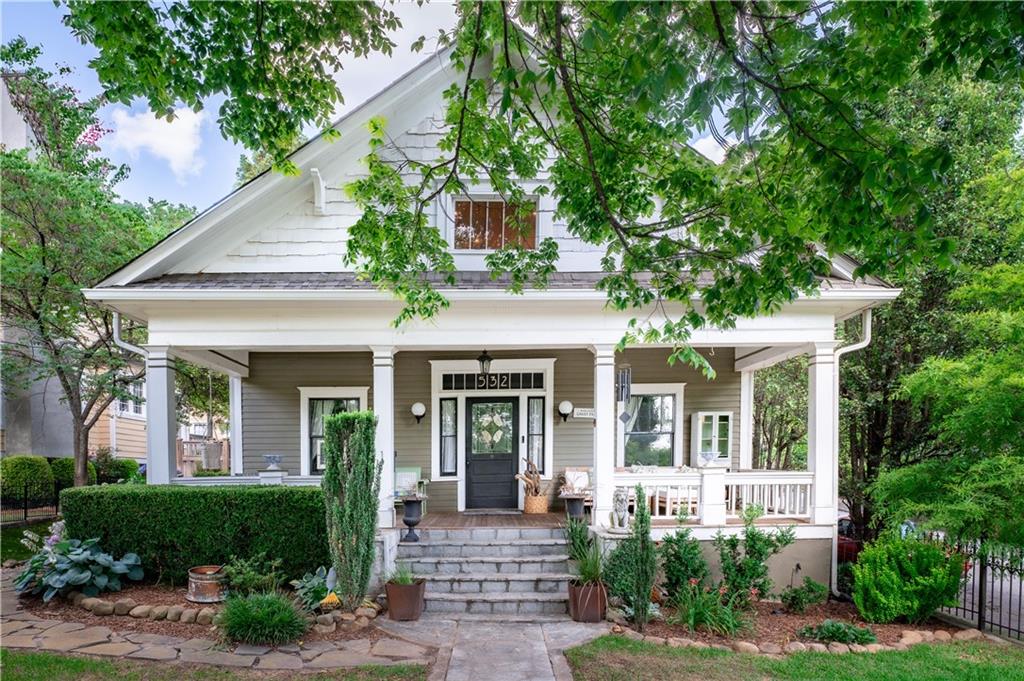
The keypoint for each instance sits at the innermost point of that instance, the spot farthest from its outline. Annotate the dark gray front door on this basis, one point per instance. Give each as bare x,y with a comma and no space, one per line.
492,446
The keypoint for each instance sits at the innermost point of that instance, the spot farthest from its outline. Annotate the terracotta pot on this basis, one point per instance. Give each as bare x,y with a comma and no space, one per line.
535,504
587,602
405,601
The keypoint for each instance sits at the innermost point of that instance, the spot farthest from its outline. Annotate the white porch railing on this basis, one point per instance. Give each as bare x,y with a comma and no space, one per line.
781,494
667,492
290,480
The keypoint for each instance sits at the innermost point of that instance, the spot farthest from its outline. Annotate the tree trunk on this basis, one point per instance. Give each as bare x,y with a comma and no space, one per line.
81,450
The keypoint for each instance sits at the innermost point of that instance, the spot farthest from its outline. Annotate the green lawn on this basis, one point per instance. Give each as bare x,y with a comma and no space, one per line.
615,658
10,540
31,666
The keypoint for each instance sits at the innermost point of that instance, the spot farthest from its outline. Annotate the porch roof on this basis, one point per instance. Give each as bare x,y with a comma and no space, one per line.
350,281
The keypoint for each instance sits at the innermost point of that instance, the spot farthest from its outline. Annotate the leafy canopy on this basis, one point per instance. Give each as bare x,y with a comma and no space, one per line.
595,104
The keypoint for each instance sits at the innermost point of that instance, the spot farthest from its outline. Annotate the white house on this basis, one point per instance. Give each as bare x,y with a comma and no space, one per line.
255,287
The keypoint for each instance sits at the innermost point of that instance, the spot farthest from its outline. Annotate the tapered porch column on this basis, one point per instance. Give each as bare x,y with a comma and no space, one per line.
822,457
384,409
604,432
161,419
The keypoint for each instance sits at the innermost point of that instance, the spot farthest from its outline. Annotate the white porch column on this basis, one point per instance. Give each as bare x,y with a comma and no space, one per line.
161,420
384,409
604,432
822,458
235,414
746,420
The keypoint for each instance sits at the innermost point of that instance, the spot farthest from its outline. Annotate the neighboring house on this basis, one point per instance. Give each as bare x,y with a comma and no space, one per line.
256,287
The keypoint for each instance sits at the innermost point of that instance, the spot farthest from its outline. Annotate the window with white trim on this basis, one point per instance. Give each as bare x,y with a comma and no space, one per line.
492,224
133,404
449,466
535,417
712,436
316,404
650,427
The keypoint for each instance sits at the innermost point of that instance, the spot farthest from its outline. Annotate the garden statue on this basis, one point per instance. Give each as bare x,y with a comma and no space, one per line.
620,511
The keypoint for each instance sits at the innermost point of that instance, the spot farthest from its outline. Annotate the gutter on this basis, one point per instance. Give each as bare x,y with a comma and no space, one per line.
859,345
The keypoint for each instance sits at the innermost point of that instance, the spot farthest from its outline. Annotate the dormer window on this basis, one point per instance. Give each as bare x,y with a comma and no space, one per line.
487,225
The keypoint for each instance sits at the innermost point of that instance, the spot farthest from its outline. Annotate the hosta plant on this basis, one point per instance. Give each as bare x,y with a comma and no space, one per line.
68,564
314,587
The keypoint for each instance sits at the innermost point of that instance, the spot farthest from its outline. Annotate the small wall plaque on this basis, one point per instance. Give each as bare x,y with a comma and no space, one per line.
584,413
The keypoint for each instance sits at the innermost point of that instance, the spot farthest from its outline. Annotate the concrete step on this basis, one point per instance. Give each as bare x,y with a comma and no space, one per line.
455,548
529,603
504,619
501,583
475,565
490,533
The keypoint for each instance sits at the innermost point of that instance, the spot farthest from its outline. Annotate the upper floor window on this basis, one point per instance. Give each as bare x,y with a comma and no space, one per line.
135,404
490,225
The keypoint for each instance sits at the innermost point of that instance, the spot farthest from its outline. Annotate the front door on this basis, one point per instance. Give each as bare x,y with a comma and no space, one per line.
492,446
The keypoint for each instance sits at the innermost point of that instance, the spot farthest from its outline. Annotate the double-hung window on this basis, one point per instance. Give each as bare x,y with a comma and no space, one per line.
449,437
535,432
488,225
132,405
650,425
316,405
712,437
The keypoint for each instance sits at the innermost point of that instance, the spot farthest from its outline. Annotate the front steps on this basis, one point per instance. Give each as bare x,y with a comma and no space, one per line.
492,572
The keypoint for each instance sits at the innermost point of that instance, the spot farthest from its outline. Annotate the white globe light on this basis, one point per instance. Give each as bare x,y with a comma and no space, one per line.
418,409
565,409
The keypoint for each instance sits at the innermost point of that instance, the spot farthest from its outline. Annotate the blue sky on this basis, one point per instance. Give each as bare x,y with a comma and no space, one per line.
188,161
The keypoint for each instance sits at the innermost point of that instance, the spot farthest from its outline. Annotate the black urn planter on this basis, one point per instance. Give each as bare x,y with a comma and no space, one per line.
574,507
412,514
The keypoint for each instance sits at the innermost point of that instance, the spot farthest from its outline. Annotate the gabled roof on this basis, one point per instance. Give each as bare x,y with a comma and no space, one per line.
196,236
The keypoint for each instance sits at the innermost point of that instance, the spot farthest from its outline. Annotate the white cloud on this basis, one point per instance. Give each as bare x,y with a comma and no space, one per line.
177,142
708,147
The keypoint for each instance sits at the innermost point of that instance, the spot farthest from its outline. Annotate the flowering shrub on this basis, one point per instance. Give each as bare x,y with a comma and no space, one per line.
61,564
744,558
682,561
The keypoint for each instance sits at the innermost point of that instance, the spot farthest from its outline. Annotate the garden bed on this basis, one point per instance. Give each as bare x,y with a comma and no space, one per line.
156,594
770,624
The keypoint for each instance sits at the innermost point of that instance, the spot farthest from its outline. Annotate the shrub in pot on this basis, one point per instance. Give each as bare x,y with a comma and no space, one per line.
588,597
405,594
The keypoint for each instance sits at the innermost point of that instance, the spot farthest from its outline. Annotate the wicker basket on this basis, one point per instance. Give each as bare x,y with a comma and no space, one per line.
535,504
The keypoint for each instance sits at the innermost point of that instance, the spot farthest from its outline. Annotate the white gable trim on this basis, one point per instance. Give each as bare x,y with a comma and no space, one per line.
206,233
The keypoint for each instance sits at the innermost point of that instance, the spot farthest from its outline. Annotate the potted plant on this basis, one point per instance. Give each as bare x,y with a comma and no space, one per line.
405,594
534,498
574,499
588,597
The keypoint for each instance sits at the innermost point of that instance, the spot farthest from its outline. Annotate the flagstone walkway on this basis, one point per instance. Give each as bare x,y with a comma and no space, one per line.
467,650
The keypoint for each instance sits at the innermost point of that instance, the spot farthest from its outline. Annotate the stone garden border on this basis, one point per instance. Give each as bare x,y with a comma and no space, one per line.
908,638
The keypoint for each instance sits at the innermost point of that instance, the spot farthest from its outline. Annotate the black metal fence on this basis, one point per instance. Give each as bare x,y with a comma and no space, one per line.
992,592
29,502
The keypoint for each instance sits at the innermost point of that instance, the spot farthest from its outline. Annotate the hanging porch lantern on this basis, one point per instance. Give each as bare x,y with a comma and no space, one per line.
485,363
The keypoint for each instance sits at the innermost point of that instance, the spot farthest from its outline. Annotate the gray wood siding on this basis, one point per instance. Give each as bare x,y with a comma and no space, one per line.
270,398
270,402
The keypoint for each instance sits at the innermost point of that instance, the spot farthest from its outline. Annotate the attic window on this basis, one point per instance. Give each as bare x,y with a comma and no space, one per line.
490,225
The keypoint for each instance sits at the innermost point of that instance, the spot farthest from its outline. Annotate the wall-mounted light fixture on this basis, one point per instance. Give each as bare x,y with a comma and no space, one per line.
565,409
418,409
485,363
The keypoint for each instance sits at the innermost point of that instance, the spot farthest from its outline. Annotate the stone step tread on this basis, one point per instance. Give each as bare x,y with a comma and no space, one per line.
559,558
498,577
477,617
498,597
486,542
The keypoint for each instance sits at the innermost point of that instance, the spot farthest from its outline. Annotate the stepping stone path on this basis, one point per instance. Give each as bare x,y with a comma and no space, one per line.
23,630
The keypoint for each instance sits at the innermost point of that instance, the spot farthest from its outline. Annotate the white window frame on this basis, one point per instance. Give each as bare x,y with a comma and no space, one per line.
446,215
675,389
138,401
440,367
335,393
698,418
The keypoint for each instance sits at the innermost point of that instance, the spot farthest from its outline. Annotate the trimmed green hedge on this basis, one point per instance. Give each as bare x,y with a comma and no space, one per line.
64,472
17,470
173,528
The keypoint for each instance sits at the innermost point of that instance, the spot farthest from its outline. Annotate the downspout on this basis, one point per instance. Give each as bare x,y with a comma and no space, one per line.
121,343
859,345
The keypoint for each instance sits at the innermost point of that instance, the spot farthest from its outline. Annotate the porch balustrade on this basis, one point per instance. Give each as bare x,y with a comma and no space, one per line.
780,494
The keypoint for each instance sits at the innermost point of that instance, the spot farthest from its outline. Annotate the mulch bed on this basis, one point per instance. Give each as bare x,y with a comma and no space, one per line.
770,624
157,594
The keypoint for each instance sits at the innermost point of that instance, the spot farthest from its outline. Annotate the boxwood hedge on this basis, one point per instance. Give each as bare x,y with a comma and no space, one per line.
64,472
174,528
